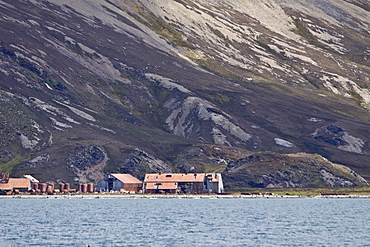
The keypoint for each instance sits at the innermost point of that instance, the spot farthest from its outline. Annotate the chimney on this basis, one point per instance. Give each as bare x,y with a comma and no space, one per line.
4,176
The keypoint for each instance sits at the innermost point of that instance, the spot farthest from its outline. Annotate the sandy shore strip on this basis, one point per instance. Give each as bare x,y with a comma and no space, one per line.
152,196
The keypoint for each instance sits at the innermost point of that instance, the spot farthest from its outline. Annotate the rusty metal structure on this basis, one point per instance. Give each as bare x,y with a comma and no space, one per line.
50,189
4,177
90,188
186,183
29,184
67,187
43,187
35,186
84,188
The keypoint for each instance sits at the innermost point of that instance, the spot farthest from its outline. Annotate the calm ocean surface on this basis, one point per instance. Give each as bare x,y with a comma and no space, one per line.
185,222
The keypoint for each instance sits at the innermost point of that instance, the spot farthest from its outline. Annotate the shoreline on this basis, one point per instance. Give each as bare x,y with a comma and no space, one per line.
169,196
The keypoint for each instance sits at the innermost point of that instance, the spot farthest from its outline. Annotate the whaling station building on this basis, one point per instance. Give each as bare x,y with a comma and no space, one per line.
189,183
24,184
184,183
29,184
119,182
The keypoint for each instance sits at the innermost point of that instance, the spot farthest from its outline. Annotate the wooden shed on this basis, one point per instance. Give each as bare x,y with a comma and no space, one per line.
120,182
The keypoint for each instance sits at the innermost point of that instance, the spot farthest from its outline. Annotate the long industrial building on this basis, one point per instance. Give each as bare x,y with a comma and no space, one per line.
189,183
119,182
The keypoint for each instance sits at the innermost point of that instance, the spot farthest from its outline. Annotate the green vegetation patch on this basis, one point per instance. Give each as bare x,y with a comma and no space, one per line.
305,33
158,25
357,97
9,166
216,68
212,167
220,98
344,113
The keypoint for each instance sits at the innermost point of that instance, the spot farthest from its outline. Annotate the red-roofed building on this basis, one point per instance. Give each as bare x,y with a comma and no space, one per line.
191,183
5,188
16,184
119,182
21,184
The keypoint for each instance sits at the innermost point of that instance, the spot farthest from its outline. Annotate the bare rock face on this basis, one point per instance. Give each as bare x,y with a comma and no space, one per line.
139,162
339,138
87,163
208,158
268,170
38,161
84,157
192,110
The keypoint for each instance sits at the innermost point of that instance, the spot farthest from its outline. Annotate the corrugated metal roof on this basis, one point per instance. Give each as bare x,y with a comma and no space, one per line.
6,186
20,183
180,177
161,186
126,178
174,177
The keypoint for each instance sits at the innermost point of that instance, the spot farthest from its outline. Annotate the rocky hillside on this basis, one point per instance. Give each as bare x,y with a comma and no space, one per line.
89,87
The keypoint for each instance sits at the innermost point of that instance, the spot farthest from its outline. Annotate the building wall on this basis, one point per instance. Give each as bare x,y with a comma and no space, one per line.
220,185
132,187
102,185
191,188
154,191
109,183
214,186
206,183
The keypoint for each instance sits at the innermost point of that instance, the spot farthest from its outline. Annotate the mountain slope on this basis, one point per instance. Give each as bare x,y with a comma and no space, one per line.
89,87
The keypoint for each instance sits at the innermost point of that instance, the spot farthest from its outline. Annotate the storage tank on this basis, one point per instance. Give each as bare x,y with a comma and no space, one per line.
52,186
79,187
42,187
90,188
67,187
35,186
49,189
84,188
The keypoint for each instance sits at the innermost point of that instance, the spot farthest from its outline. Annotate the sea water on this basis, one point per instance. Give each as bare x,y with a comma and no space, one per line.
185,222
